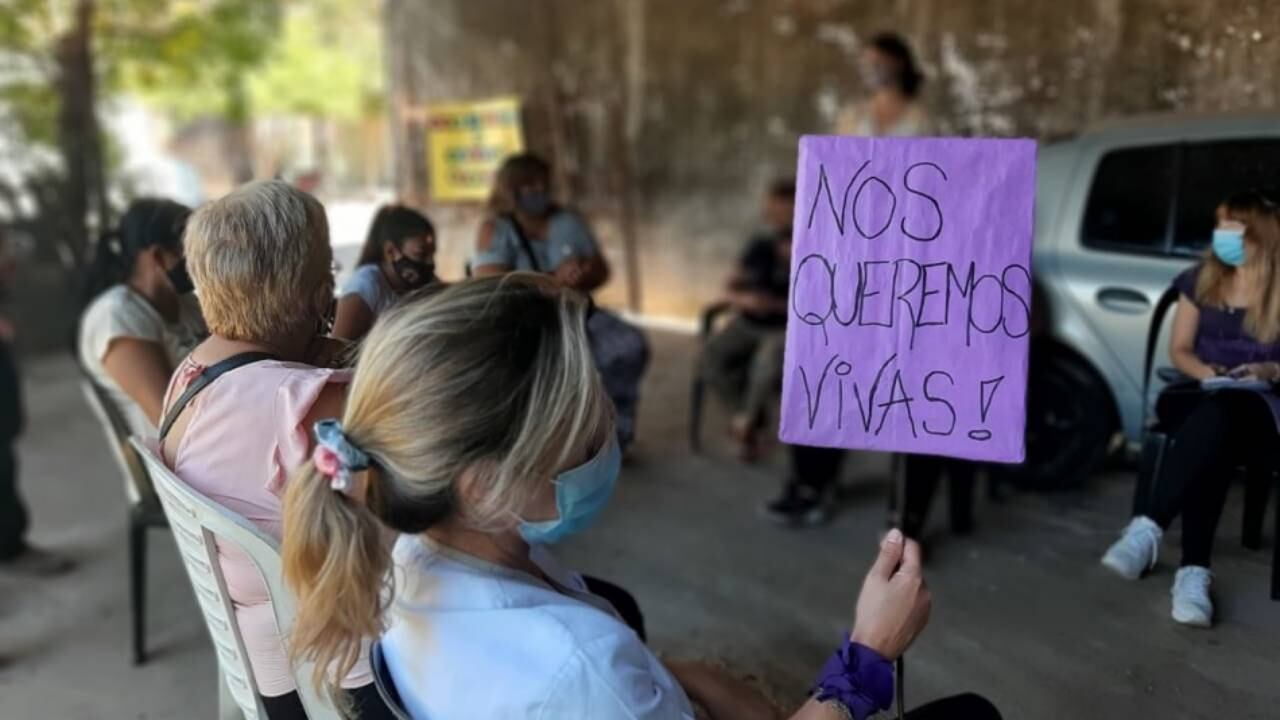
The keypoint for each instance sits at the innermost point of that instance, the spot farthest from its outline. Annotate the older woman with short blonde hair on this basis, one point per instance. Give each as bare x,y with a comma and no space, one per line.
237,413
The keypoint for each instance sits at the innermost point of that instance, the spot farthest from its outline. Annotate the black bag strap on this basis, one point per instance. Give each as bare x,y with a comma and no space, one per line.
524,243
208,375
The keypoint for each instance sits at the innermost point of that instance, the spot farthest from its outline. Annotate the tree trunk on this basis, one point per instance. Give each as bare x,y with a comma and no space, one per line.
84,197
240,141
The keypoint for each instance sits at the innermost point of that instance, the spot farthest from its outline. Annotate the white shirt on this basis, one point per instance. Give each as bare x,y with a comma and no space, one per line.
120,312
371,286
856,120
469,640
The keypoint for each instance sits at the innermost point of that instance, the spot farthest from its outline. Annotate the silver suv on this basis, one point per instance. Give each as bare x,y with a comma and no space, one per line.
1120,210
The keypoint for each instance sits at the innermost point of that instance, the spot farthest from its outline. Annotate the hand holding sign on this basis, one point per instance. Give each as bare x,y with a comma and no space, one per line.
911,296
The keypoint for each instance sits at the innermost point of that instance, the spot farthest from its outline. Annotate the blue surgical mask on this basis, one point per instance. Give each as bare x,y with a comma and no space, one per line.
1228,246
534,203
581,494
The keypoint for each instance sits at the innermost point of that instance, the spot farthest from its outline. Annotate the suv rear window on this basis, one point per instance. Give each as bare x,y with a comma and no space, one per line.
1209,173
1130,201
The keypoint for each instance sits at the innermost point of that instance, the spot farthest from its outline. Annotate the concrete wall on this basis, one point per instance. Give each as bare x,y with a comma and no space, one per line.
668,117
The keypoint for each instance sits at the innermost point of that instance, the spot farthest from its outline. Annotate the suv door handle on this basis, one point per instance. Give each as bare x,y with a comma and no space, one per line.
1123,300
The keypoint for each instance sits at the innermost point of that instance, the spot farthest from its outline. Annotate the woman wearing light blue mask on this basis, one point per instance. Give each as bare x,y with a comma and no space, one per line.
1226,340
527,231
477,427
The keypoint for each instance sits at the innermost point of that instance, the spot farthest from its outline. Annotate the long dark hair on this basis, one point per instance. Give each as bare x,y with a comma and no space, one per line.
146,223
909,76
393,224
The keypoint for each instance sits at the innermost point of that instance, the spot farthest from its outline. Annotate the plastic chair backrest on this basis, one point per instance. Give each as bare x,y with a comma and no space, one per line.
137,484
1166,301
196,521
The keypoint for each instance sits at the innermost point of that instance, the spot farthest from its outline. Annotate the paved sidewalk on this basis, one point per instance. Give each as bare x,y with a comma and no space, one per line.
1023,612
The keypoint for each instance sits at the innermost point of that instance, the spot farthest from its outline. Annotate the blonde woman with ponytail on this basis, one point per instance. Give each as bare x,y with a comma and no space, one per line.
1226,340
477,428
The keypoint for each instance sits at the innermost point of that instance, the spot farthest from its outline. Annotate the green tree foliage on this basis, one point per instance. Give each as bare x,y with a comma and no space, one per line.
325,64
191,56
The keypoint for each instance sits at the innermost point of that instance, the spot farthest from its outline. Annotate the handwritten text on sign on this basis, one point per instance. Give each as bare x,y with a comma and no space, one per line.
911,296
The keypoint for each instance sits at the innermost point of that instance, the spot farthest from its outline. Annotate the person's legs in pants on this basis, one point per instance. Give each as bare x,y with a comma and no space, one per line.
920,477
764,376
961,479
366,704
1196,426
816,468
13,512
806,494
1173,408
1248,433
16,556
284,707
968,706
726,360
1194,453
1198,423
621,354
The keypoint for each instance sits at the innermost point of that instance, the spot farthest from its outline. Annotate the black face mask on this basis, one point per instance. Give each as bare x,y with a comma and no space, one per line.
180,279
414,273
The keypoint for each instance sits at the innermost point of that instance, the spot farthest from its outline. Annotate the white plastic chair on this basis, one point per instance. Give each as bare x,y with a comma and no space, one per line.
196,521
144,508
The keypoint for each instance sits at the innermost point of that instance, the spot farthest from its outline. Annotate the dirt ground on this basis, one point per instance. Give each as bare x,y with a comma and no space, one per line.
1023,612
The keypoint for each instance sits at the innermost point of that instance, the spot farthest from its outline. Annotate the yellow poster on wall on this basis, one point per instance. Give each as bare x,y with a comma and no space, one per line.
466,142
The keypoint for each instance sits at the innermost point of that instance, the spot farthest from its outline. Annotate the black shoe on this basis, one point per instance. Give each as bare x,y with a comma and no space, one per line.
799,506
34,562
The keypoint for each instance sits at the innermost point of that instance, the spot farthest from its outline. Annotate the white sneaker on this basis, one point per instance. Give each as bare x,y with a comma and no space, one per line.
1191,603
1137,549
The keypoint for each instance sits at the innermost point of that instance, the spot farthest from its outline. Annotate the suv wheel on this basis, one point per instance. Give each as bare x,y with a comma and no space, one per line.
1070,422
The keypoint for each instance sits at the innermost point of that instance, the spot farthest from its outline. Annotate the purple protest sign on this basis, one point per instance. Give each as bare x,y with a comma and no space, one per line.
910,307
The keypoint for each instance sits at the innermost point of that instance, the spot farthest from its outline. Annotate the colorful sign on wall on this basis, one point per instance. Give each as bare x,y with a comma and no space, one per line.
466,142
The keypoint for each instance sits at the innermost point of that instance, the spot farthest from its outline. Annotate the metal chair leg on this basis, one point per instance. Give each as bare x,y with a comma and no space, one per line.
1154,445
696,392
1257,488
1275,557
138,582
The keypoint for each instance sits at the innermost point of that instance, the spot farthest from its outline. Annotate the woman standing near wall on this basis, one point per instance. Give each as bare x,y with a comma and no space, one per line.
889,71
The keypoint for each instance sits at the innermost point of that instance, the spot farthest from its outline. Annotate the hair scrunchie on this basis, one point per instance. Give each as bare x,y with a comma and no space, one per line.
337,457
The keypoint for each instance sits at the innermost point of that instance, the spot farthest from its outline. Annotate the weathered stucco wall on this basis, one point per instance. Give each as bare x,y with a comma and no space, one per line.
668,117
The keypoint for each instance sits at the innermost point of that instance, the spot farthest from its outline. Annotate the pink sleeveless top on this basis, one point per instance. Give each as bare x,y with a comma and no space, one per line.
243,440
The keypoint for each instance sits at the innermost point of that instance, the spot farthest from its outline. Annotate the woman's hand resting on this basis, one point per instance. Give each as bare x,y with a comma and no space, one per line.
1265,371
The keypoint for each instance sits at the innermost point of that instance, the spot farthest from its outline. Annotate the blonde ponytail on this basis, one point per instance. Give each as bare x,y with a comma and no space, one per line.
492,379
335,558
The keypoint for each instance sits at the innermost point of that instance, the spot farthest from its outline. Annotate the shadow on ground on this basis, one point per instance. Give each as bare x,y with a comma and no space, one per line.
1023,613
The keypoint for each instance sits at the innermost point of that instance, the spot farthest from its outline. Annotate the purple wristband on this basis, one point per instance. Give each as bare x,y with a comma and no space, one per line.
858,678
